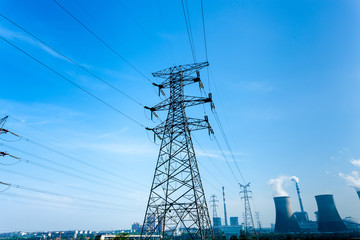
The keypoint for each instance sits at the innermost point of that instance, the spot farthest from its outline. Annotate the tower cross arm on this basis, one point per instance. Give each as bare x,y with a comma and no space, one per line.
188,102
185,70
193,124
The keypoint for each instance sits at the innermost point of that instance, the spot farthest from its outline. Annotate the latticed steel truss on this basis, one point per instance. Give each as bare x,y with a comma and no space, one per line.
248,217
177,204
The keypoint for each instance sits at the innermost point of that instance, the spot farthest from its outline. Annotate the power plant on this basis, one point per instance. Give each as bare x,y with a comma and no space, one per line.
328,217
285,220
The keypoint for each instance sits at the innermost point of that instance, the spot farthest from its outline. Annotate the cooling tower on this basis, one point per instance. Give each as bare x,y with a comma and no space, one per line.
285,221
328,217
358,192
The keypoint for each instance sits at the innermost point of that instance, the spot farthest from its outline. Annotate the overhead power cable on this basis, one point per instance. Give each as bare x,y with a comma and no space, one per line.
188,28
142,28
219,169
217,119
227,161
73,83
103,193
102,41
205,44
203,22
165,29
71,60
58,204
63,195
103,181
78,160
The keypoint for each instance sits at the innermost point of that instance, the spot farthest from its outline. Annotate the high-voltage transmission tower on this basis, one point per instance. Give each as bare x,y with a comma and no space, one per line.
248,218
257,215
213,201
177,200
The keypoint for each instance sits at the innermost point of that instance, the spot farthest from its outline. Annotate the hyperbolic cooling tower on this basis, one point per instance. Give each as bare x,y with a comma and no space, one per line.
328,217
285,221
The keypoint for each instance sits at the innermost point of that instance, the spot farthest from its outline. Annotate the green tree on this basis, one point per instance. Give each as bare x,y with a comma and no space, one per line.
122,236
234,237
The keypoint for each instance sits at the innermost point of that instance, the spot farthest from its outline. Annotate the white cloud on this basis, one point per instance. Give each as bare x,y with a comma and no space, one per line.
352,180
255,86
355,162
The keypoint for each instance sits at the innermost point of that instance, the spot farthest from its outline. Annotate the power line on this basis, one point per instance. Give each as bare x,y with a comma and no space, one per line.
72,61
188,28
205,43
102,41
78,160
62,195
142,28
56,183
50,204
227,143
210,160
102,179
73,83
37,143
227,161
166,32
203,22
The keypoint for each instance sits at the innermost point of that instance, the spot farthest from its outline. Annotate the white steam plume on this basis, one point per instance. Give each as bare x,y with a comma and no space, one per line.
353,179
278,184
295,179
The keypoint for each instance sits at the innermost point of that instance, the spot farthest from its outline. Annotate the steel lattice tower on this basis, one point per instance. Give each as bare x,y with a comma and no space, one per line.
177,200
257,215
248,218
213,201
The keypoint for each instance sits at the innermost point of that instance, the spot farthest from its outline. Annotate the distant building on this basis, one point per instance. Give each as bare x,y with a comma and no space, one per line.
217,221
234,221
231,230
136,227
352,224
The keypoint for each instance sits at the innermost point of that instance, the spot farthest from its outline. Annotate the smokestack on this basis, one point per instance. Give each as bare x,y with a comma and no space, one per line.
224,206
285,221
298,193
329,219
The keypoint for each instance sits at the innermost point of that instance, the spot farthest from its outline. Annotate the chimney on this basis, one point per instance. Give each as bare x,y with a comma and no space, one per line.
285,221
329,219
223,190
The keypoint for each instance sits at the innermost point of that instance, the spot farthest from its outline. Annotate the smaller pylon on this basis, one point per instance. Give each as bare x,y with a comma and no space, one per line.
213,201
257,215
248,218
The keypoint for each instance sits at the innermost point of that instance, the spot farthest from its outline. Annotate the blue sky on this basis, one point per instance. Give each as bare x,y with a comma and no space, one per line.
284,76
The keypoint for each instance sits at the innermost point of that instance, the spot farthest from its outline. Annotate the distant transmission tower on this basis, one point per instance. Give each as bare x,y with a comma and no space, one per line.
248,218
177,200
257,215
213,201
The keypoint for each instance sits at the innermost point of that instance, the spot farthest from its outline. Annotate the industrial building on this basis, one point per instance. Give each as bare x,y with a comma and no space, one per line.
329,219
285,220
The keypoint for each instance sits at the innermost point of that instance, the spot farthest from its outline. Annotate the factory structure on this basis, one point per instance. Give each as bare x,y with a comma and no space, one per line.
328,219
227,230
327,216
